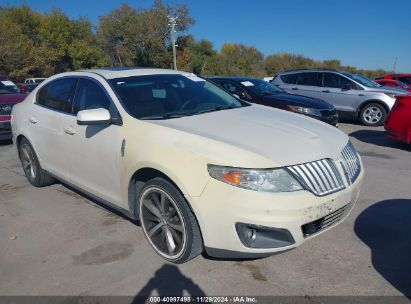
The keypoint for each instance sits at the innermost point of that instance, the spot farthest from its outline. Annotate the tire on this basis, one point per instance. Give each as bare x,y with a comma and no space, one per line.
373,114
168,222
31,166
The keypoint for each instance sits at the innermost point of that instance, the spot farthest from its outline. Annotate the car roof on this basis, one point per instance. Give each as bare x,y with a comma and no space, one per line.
234,78
385,80
313,70
397,75
111,73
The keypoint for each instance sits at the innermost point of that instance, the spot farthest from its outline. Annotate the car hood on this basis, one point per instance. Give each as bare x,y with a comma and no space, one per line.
389,90
12,98
298,100
237,137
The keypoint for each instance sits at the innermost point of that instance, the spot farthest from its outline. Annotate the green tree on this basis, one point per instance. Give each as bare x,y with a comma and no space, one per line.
141,37
238,59
197,57
34,44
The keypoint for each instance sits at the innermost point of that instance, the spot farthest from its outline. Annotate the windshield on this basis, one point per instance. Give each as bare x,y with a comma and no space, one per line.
403,84
362,80
8,87
171,96
261,87
39,80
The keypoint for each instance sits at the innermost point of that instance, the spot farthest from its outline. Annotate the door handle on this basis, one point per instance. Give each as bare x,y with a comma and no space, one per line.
294,89
70,130
33,120
326,91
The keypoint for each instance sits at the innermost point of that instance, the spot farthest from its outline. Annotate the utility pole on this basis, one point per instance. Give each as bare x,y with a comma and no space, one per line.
172,24
395,63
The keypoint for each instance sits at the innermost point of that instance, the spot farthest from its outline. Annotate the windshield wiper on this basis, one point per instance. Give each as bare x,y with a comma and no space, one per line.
219,108
166,116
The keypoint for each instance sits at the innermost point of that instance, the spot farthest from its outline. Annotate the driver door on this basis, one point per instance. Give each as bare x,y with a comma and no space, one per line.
94,149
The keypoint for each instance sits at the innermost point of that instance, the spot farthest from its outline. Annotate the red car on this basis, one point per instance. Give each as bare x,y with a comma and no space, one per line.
394,83
405,78
9,96
398,123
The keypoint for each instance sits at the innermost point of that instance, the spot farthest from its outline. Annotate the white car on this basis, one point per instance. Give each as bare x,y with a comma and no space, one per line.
34,80
200,169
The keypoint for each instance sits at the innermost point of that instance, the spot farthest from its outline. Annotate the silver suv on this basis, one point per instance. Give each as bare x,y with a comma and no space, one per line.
352,93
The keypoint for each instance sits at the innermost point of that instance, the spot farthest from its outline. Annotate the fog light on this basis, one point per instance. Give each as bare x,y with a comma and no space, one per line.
254,236
251,234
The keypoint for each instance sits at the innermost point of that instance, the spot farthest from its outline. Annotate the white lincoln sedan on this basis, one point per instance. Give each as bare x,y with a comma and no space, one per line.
199,168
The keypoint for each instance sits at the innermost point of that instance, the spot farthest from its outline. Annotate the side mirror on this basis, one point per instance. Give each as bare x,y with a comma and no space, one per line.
347,87
98,116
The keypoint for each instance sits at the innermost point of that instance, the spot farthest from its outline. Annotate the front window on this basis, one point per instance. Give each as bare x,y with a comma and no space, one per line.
362,80
258,87
8,87
171,96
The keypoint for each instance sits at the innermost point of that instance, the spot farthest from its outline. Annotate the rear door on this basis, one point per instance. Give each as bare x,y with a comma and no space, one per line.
308,84
52,106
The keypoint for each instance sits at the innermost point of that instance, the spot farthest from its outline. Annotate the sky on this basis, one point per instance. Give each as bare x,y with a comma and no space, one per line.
362,33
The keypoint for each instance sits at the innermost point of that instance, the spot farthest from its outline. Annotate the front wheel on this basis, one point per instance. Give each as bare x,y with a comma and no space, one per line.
168,223
373,114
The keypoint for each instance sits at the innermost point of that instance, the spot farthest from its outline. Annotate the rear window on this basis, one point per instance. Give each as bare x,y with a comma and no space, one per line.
57,95
309,79
289,78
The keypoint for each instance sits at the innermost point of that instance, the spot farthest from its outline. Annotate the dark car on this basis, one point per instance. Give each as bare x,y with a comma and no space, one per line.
9,96
261,92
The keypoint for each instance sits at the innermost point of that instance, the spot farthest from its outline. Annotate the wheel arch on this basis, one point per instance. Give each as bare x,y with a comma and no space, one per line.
137,181
363,104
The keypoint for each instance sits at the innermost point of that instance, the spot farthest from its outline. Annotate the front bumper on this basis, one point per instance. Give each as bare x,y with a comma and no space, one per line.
221,207
5,130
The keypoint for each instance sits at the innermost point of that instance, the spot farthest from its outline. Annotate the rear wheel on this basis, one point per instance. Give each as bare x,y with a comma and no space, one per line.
373,114
31,166
168,223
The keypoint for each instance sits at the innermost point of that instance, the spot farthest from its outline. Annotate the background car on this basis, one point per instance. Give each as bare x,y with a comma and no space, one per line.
350,93
264,93
405,78
393,83
37,80
9,96
398,124
27,87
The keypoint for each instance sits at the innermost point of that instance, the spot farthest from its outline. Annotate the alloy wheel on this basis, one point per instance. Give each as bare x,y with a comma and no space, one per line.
28,161
372,115
162,223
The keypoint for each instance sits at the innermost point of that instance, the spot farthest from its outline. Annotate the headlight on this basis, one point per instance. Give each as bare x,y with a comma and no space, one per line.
269,180
306,111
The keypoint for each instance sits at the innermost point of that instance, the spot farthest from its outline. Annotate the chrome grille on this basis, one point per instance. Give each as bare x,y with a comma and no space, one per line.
326,221
351,162
320,177
5,108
